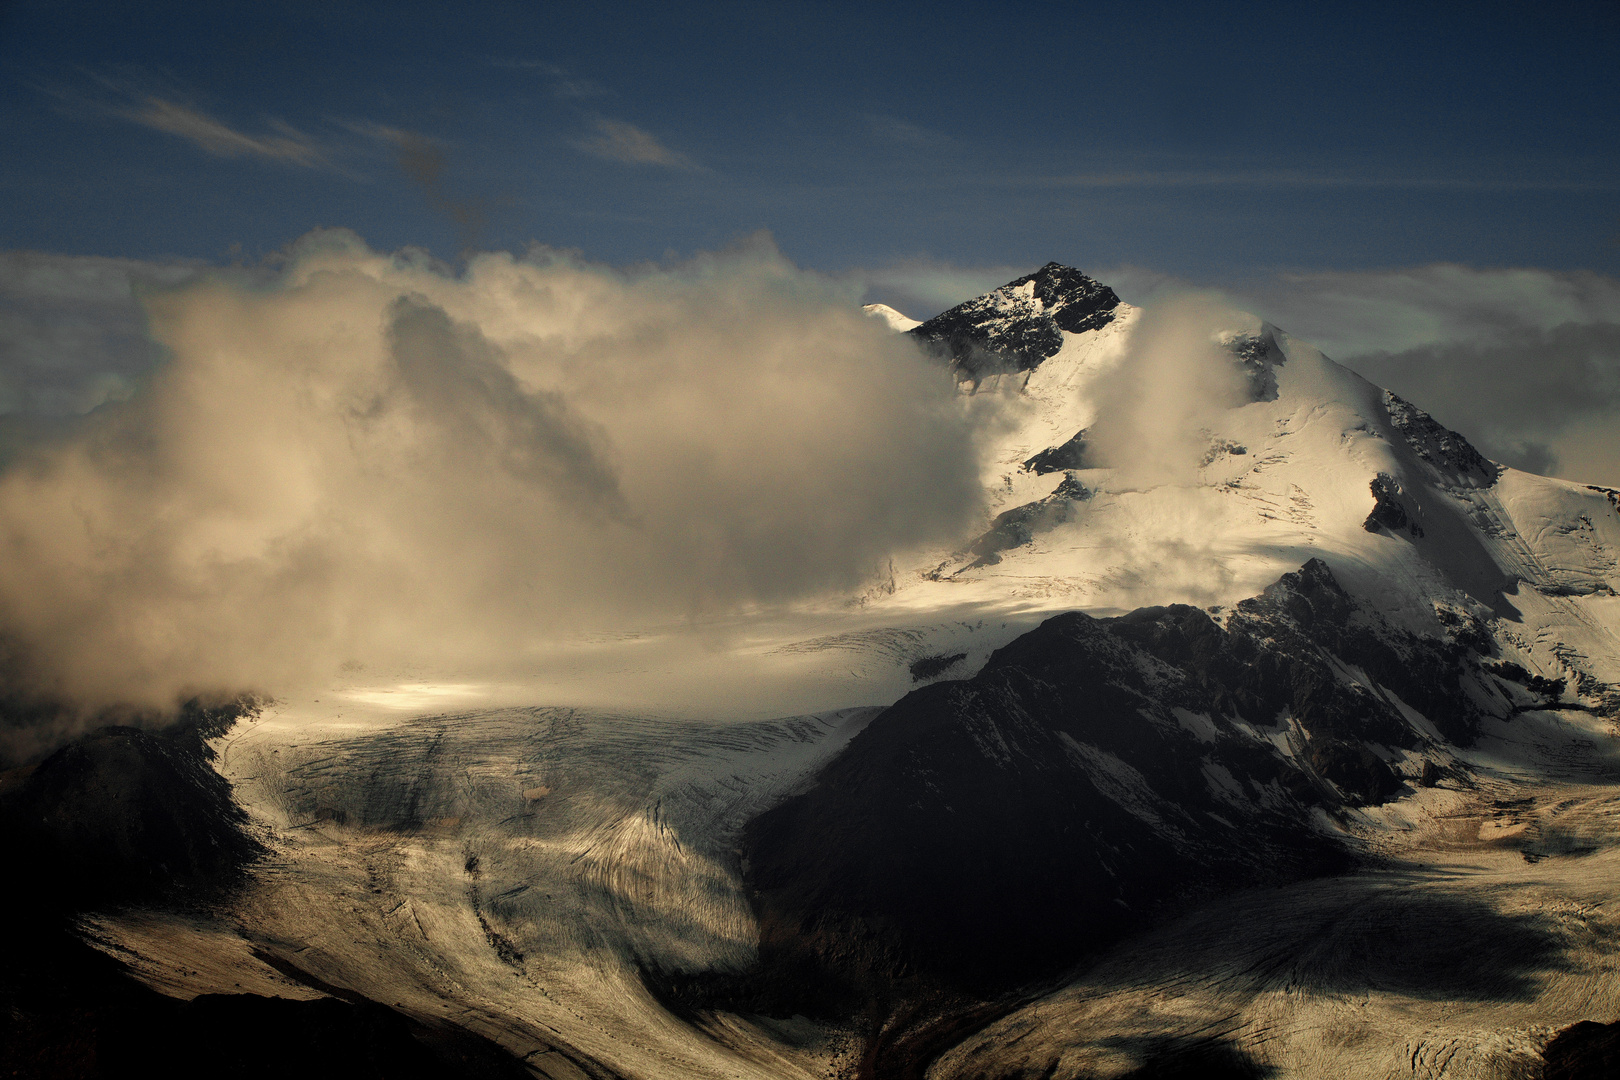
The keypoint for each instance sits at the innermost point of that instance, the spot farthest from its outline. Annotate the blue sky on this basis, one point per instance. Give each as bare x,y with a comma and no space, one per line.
1431,191
1204,141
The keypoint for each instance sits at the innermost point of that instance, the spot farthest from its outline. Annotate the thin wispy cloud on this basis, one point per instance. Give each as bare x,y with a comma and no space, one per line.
282,143
616,140
564,83
1295,180
159,105
898,132
424,161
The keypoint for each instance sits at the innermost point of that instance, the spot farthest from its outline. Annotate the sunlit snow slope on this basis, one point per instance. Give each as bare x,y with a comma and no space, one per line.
1287,475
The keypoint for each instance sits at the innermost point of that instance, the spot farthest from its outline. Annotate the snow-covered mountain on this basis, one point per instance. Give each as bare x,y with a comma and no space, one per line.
1262,726
1021,324
1311,461
895,319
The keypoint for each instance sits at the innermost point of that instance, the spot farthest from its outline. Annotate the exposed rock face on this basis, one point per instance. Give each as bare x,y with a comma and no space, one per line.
1584,1051
930,667
1448,453
991,830
70,1012
1388,511
1257,357
1015,327
1018,526
1070,455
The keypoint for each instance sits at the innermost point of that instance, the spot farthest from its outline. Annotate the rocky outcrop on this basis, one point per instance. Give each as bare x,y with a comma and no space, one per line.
1452,457
125,814
1389,512
1096,772
1584,1051
1020,525
1015,327
1068,455
1609,493
69,1011
1257,356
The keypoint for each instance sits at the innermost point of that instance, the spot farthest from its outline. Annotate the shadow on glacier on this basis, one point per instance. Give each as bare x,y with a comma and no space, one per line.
1436,946
1178,1057
1407,935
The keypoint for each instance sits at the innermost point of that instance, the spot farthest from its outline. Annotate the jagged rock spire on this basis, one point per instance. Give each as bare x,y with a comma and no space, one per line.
1017,326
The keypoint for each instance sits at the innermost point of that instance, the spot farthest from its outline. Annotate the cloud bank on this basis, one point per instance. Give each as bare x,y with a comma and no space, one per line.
366,458
1526,363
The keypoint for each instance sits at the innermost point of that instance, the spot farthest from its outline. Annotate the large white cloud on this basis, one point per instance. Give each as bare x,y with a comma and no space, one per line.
366,457
358,456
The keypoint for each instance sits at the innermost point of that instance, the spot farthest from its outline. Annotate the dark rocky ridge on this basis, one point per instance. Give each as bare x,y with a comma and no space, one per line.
930,667
129,816
1452,457
1005,330
1584,1051
70,1012
124,814
1069,455
1018,526
1388,511
985,832
1257,357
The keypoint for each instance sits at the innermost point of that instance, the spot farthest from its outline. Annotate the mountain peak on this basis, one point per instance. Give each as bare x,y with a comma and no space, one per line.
897,321
1020,324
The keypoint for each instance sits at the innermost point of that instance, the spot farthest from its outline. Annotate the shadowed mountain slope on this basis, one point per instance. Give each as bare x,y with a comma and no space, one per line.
995,829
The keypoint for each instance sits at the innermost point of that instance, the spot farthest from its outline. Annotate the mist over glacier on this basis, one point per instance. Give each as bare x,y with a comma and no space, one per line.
1155,409
361,458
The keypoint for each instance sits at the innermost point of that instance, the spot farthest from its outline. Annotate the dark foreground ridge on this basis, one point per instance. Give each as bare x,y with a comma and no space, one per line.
1015,327
72,1012
124,815
1584,1051
1097,773
127,816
